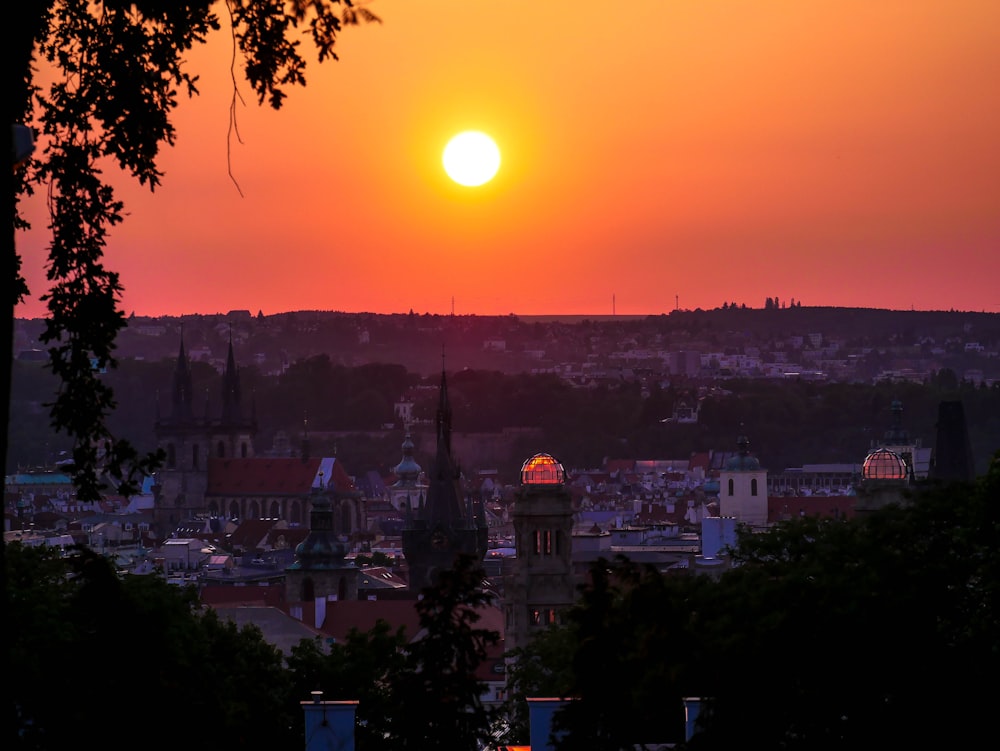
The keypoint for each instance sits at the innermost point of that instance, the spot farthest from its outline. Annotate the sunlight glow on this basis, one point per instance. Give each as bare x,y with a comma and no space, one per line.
471,158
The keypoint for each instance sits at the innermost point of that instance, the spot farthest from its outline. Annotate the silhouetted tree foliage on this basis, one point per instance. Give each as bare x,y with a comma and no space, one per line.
439,693
116,71
149,658
363,668
96,652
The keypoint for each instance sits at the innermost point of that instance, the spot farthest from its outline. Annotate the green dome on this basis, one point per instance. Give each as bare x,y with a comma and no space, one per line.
743,461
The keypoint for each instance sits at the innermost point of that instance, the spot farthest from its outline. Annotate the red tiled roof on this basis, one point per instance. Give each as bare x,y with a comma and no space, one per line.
340,480
343,615
616,465
700,459
251,532
262,476
292,536
781,507
227,594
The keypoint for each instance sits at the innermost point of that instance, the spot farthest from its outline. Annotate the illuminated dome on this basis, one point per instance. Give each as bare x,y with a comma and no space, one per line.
883,464
542,469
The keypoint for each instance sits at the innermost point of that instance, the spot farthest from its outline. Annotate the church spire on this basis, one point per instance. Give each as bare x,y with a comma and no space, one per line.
443,417
182,393
441,525
232,411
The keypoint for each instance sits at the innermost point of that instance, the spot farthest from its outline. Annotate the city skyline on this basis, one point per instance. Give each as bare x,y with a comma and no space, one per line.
668,155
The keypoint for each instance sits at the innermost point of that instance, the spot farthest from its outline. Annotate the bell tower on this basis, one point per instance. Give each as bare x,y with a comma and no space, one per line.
541,585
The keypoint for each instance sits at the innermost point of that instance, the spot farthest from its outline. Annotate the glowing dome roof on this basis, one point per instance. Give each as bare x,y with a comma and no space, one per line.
883,464
542,469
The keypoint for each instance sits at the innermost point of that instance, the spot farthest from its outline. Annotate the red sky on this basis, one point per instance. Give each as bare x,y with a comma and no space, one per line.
655,153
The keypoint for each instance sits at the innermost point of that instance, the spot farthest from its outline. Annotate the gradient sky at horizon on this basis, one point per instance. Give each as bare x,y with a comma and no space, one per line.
655,154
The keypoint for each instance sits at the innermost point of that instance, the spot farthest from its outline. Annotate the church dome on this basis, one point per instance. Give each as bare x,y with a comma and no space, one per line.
542,469
743,461
883,464
407,470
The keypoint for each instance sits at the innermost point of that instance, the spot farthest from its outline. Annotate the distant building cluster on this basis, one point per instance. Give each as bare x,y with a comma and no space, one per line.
302,547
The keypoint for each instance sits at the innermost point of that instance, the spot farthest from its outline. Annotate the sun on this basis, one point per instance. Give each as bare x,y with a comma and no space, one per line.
471,158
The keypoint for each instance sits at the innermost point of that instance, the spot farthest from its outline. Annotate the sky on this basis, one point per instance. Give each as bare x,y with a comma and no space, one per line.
655,155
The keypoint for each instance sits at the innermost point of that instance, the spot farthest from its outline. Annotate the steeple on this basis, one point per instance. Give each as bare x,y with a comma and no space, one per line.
442,526
182,393
407,471
232,411
443,417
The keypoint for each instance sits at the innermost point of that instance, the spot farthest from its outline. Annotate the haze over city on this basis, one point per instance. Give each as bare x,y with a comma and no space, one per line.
653,155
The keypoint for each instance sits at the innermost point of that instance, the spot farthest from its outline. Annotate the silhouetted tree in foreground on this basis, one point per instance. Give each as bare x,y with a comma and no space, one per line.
116,69
825,635
122,656
101,655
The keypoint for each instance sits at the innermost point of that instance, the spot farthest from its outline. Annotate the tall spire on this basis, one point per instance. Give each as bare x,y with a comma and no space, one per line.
441,525
444,505
443,417
182,394
231,400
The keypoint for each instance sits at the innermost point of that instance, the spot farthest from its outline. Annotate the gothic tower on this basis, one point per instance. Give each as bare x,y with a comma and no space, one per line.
541,584
442,526
189,441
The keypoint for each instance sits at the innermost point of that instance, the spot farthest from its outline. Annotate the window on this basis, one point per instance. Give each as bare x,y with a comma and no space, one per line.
548,542
243,450
536,617
538,541
730,486
753,486
195,456
220,450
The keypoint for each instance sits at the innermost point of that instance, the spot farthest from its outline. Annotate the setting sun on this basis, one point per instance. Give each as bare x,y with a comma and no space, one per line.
471,158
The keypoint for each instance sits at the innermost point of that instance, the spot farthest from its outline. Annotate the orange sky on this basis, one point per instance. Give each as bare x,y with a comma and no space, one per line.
841,152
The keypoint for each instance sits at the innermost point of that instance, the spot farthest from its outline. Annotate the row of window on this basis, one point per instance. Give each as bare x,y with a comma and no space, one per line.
220,451
753,486
536,616
542,616
548,542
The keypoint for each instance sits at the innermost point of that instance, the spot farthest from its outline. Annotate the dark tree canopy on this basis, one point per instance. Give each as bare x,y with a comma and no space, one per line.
825,635
87,643
135,653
